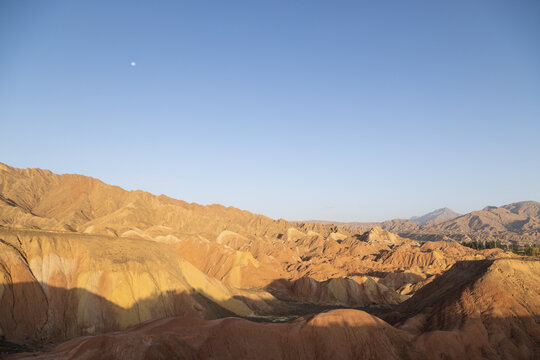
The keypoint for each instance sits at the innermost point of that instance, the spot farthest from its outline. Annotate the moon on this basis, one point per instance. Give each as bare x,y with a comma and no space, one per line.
132,63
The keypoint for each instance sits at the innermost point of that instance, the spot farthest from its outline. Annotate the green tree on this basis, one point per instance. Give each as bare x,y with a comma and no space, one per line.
531,251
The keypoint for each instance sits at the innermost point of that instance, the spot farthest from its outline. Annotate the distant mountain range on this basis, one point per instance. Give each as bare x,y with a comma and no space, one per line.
517,222
436,215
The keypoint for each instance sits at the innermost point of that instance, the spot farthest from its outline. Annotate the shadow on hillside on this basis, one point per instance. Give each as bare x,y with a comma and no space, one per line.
35,316
284,289
411,277
185,338
449,289
291,302
330,336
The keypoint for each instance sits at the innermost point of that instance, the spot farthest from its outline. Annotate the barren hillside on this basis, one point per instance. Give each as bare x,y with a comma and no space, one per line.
82,258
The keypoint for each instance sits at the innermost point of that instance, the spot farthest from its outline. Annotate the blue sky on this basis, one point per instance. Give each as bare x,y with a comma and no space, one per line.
349,110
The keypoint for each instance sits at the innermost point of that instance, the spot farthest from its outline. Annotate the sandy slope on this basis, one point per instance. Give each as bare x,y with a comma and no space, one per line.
57,286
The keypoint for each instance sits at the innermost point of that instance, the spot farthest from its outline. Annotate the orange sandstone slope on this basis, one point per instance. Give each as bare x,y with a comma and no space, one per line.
55,286
40,199
477,310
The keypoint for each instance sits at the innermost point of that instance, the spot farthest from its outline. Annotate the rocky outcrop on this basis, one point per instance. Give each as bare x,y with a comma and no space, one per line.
355,291
378,236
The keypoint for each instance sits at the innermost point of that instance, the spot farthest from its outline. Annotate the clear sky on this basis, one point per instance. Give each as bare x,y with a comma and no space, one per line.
340,110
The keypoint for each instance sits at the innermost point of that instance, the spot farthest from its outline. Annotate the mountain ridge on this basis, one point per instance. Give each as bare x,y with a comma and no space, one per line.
517,222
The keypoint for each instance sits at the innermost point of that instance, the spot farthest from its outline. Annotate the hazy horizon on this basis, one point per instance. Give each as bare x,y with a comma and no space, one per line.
351,112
